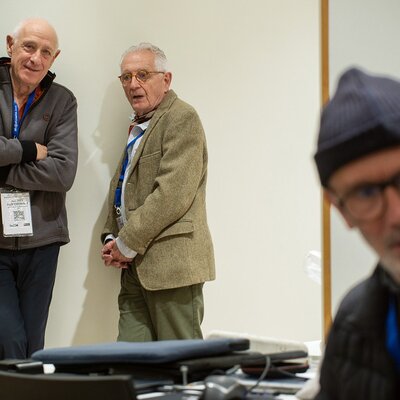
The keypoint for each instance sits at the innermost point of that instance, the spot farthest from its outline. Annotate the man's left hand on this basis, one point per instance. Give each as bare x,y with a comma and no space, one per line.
112,257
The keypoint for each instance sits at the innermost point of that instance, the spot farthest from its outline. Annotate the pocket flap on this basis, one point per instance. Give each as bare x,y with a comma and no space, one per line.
179,228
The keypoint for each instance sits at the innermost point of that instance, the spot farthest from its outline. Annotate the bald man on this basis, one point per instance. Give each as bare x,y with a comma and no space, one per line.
38,160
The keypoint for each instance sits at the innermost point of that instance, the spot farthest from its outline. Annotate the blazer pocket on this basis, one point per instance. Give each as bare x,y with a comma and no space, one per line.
144,176
149,157
179,228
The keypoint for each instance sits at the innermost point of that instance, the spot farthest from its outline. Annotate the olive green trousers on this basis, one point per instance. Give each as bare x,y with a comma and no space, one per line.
158,315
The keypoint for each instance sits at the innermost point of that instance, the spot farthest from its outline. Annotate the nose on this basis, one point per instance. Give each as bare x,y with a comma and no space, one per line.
392,205
134,83
36,56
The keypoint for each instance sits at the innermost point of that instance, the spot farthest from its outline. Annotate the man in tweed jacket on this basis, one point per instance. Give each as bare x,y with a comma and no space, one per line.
156,230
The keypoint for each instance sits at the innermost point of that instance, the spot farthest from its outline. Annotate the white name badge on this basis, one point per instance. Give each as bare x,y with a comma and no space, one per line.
16,214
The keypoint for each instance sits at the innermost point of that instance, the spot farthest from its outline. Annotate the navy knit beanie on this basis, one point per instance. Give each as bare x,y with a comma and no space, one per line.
362,117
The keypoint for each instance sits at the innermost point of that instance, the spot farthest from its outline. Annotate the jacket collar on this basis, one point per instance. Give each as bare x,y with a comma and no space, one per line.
162,108
166,103
388,281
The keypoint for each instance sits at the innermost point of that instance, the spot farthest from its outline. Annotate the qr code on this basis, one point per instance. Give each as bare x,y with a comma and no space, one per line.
19,215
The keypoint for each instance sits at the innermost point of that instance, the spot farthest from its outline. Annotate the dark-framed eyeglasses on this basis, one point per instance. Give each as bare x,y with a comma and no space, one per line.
141,76
367,201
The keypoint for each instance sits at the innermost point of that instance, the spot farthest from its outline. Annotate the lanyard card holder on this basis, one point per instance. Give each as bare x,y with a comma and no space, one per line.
16,213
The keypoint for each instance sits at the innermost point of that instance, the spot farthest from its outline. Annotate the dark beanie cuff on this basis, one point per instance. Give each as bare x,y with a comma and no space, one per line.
361,118
330,160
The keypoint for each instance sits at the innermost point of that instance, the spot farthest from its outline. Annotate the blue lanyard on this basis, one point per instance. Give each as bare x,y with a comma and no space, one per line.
118,190
392,333
16,121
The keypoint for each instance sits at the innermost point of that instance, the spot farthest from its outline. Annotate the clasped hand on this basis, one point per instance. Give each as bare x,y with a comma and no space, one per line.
112,257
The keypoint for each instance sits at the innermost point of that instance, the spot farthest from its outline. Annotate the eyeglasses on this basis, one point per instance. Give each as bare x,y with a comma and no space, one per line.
141,76
367,201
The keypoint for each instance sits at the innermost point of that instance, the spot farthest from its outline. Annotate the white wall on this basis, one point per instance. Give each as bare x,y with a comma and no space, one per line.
251,69
363,33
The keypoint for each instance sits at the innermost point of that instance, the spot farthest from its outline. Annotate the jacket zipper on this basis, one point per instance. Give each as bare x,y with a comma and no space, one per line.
45,90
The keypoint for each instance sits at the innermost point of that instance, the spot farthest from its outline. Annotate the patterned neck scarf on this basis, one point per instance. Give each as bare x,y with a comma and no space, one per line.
143,118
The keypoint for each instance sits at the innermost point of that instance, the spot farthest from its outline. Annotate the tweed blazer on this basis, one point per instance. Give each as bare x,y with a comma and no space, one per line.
165,201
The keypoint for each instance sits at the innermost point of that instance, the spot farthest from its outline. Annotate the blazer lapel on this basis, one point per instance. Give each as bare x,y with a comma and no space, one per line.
161,110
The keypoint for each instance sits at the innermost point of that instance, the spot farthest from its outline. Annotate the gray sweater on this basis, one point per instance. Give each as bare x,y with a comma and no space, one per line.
51,121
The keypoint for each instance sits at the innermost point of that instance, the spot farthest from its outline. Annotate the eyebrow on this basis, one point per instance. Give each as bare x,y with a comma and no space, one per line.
33,42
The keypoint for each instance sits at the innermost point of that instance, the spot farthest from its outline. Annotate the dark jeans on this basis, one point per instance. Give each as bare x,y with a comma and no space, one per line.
26,287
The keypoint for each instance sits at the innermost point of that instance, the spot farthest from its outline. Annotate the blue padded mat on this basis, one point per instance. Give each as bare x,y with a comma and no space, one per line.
140,352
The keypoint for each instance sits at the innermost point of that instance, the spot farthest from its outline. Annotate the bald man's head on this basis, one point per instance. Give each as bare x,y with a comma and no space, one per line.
38,23
32,47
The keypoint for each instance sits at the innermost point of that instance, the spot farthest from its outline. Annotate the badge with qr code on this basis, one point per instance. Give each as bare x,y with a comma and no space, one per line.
16,214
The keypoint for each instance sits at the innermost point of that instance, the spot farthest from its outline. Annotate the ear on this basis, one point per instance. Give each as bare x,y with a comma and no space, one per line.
334,200
54,58
167,81
10,42
56,55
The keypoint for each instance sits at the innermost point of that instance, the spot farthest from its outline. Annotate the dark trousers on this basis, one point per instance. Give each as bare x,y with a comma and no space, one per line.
26,287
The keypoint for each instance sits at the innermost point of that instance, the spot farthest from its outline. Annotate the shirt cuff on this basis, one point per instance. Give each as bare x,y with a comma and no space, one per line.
109,237
124,249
